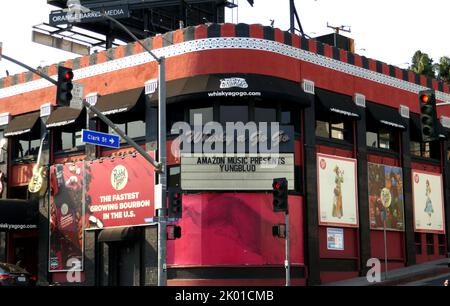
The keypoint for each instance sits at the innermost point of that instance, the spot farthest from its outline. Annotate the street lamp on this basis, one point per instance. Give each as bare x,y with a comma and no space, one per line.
75,8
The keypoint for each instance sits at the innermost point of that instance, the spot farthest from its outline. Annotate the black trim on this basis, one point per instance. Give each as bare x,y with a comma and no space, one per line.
269,33
19,213
242,30
392,71
234,273
386,116
320,48
214,30
350,58
441,86
66,118
429,82
304,43
287,37
189,33
336,103
417,79
120,102
379,66
405,75
118,234
336,53
365,62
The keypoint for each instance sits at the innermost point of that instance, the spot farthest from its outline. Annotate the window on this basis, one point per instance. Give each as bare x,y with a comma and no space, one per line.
430,244
206,113
441,241
382,138
233,113
25,148
133,129
425,149
335,128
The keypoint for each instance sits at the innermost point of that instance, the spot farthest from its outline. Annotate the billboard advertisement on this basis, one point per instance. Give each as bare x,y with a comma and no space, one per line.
119,192
66,222
337,191
428,200
386,194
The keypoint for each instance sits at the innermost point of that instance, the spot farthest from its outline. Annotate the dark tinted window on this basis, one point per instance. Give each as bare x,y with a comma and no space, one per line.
265,114
233,113
206,113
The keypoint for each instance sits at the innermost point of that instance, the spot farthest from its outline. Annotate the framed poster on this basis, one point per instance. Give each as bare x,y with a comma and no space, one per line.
386,193
428,200
335,239
337,191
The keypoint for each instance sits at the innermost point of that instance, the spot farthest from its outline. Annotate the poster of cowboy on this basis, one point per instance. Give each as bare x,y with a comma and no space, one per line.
337,191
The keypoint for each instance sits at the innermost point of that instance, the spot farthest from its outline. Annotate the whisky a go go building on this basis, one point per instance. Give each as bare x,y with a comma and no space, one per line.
349,145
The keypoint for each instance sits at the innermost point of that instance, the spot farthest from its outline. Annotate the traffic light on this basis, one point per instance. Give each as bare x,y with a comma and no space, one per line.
280,195
428,116
64,87
175,203
279,230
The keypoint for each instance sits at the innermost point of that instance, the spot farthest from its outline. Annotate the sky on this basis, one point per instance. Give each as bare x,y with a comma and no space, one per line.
386,30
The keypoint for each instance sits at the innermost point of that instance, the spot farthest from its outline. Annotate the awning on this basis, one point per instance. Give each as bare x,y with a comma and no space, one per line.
119,102
23,124
415,128
213,86
385,115
336,103
66,116
117,234
18,214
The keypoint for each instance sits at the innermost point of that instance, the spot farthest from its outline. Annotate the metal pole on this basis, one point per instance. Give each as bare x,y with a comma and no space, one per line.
287,263
43,75
385,249
292,15
162,225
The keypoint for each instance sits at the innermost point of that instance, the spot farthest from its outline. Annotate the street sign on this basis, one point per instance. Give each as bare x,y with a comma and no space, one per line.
77,96
100,139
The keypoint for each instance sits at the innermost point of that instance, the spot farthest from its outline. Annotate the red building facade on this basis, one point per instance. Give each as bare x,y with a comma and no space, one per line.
355,135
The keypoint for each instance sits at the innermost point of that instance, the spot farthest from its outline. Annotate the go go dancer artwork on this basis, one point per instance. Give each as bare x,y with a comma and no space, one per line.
337,191
428,202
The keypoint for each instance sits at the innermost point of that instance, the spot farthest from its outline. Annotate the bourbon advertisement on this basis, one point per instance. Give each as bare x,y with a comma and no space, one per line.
66,222
119,192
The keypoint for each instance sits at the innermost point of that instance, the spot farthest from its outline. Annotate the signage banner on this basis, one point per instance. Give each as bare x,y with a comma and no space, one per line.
386,193
338,191
61,17
335,239
119,192
66,222
235,229
428,199
229,171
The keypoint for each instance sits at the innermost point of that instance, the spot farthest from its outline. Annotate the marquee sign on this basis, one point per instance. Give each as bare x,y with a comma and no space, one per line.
235,171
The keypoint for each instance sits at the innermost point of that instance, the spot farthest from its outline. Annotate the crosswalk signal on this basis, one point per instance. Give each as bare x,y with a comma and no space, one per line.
173,232
64,86
280,195
428,116
175,209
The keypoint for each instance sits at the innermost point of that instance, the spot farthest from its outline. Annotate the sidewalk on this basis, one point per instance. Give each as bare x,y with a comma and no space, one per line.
401,276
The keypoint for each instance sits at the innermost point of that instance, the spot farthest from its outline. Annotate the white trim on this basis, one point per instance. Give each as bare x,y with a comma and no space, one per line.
404,111
308,87
151,86
360,100
226,43
5,118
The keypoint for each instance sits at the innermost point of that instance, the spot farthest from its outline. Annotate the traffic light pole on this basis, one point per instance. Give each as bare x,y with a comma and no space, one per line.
287,262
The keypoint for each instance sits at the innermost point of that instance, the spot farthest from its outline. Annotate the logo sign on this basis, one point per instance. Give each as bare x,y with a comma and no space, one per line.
233,82
100,139
61,17
119,177
335,239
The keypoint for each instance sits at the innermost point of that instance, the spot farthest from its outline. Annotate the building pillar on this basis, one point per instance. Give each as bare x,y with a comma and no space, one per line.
363,194
2,246
149,268
410,246
90,249
311,215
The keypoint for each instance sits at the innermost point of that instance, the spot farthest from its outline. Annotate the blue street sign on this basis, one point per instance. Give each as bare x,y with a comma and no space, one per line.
100,139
